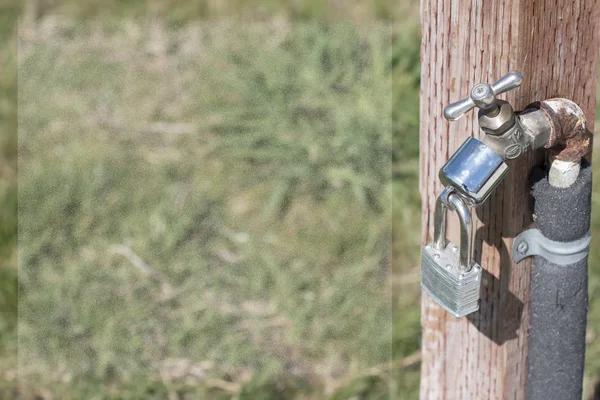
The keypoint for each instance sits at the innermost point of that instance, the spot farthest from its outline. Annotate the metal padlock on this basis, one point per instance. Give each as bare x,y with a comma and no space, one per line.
448,273
474,171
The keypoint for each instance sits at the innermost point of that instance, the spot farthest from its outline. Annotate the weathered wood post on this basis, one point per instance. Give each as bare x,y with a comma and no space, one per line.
555,46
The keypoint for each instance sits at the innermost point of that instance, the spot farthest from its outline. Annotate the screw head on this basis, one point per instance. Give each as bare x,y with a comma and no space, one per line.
483,95
523,247
481,90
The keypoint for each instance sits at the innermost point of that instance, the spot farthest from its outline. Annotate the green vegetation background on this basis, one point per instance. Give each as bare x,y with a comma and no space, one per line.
406,219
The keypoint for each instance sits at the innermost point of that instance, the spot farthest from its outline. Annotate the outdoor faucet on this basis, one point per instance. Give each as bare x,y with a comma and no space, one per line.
477,168
449,274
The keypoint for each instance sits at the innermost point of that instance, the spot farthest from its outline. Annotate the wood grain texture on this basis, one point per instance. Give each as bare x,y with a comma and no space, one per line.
554,43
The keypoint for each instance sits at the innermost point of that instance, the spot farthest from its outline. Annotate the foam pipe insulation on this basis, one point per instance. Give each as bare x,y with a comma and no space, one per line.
559,293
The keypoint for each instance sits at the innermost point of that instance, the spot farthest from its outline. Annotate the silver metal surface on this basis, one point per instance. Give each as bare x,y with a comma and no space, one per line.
454,111
449,199
457,292
509,145
510,81
439,224
448,273
533,243
536,127
483,96
474,171
499,123
466,227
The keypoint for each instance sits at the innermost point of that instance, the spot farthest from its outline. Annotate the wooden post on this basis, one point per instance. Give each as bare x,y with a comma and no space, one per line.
554,43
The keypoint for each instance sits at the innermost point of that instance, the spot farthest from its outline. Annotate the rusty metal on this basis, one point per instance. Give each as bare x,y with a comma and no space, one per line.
570,138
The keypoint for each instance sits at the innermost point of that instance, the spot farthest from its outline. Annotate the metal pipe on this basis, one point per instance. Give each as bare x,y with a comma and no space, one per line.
560,126
559,293
559,296
562,173
569,138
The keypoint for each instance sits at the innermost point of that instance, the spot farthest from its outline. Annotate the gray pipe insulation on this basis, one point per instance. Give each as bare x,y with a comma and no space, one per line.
559,293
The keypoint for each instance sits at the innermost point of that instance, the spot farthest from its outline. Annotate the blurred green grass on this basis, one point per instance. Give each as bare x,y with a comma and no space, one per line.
262,219
281,202
181,11
9,12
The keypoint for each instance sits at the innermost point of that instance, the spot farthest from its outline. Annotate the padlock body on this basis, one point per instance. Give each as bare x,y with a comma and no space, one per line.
475,170
457,292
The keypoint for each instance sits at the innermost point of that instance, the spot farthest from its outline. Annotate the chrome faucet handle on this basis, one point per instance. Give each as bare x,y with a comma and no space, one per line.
483,96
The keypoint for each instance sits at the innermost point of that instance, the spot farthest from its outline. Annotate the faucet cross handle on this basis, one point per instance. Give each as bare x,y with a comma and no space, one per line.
483,96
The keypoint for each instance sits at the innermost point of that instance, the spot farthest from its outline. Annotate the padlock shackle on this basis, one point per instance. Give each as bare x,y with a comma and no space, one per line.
439,225
466,227
439,234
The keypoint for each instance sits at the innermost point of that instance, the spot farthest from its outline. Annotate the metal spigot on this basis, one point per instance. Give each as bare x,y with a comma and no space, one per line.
477,168
483,96
558,123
